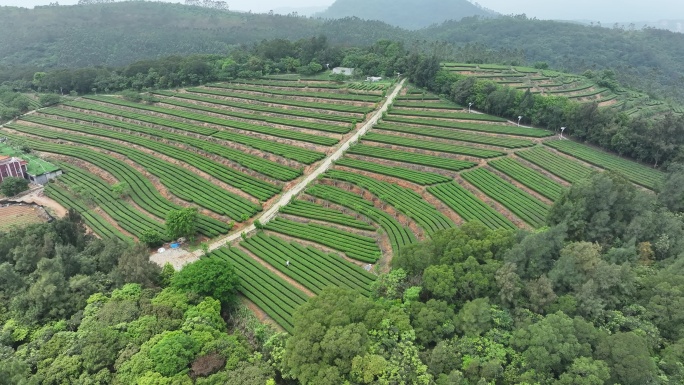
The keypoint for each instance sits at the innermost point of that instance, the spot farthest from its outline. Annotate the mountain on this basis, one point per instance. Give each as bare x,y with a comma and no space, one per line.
409,14
117,34
301,11
650,60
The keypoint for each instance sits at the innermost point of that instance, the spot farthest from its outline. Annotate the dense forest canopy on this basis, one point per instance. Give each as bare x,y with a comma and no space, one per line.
407,14
39,39
595,298
648,59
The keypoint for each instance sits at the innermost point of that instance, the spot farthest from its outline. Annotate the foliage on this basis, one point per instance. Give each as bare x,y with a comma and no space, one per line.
209,277
121,189
182,223
648,139
12,186
49,99
152,238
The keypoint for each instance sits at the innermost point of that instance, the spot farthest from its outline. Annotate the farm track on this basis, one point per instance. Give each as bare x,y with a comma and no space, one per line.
310,177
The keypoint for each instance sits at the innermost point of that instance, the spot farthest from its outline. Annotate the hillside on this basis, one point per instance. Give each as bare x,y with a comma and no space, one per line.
40,39
409,14
649,59
117,34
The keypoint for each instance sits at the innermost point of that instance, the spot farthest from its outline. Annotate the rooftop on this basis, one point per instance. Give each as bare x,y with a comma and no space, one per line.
35,165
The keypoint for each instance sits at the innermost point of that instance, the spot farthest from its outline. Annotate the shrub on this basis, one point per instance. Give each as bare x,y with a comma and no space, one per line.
12,186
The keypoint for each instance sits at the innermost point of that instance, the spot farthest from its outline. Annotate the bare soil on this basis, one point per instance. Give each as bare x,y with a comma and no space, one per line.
53,208
20,215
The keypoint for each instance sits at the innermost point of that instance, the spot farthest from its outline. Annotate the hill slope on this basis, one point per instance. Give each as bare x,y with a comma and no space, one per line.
649,59
121,33
410,14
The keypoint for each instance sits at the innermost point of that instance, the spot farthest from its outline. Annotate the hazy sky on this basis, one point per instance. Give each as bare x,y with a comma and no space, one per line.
603,10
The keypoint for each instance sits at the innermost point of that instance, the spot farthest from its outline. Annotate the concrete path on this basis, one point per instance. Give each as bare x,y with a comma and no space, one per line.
271,212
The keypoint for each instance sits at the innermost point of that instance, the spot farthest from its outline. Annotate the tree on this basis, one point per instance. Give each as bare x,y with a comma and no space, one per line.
152,238
121,189
209,277
440,282
629,360
182,223
585,371
550,345
671,193
12,186
135,267
599,209
49,99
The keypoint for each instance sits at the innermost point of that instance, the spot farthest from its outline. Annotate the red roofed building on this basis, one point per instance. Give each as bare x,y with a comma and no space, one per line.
12,167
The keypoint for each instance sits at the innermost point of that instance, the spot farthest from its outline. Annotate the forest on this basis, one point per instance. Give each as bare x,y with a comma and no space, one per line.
37,40
593,298
594,295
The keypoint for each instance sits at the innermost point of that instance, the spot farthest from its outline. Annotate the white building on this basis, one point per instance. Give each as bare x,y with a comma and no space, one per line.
343,70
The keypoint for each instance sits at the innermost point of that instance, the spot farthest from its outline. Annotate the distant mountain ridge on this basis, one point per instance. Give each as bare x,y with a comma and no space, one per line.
409,14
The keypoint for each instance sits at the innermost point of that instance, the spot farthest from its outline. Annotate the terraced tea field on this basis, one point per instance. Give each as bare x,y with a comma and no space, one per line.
572,86
334,190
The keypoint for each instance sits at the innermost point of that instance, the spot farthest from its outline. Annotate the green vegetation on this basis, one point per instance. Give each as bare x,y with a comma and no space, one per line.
90,188
405,14
635,172
431,146
209,278
261,108
468,206
399,235
92,219
456,135
447,115
255,163
488,128
425,105
142,192
650,137
12,186
406,201
271,293
181,223
357,247
313,211
222,122
244,182
266,119
180,182
560,166
418,177
409,157
525,206
308,266
281,101
528,177
35,165
316,95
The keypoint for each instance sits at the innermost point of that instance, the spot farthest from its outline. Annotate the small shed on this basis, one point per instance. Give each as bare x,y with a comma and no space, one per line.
343,71
373,79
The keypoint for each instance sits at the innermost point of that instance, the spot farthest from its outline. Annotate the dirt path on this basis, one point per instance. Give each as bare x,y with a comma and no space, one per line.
38,197
271,212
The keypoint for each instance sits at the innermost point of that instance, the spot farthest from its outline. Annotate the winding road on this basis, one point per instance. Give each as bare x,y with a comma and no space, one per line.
179,260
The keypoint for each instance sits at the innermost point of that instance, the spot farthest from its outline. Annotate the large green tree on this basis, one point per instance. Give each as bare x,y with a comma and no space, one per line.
209,277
